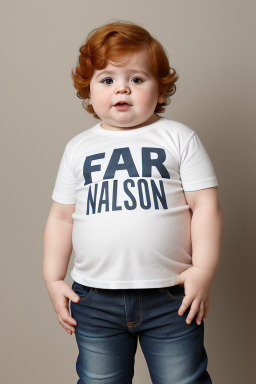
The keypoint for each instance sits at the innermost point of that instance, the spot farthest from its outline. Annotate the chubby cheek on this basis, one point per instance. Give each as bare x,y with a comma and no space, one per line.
147,100
100,101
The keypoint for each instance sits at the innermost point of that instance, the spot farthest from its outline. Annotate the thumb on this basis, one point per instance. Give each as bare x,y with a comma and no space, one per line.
73,296
180,279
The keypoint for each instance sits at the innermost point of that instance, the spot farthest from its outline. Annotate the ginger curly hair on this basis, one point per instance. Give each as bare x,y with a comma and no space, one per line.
112,41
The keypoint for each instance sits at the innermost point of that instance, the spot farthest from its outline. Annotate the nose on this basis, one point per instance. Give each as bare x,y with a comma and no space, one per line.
123,88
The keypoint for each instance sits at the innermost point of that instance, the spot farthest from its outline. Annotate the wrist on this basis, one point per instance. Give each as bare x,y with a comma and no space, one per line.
49,281
208,271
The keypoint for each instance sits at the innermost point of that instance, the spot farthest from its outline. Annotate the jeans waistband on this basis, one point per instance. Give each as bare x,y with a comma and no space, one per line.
97,290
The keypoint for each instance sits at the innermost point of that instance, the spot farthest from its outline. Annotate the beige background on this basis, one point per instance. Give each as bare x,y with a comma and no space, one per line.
211,45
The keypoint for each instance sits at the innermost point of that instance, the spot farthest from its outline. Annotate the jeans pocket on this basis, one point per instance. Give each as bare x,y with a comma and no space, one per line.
83,291
176,292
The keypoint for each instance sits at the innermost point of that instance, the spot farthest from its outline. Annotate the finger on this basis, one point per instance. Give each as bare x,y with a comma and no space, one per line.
66,318
193,311
70,331
200,314
71,295
74,297
66,326
186,302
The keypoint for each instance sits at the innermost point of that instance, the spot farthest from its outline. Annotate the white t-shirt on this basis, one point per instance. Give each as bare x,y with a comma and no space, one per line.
132,224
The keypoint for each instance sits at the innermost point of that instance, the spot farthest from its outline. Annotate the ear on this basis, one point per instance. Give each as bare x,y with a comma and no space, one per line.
160,98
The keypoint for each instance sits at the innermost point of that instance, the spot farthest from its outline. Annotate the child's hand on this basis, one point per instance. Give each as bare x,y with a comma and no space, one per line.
60,293
197,284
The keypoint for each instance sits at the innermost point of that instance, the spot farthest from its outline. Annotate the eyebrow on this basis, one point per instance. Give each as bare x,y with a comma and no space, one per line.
113,72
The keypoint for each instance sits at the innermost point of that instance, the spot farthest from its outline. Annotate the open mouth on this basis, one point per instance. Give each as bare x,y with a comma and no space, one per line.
122,106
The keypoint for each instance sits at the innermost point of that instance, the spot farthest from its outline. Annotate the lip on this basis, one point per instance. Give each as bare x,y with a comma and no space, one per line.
123,107
121,101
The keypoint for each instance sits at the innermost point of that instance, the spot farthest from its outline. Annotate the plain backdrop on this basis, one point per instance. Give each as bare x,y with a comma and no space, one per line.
211,46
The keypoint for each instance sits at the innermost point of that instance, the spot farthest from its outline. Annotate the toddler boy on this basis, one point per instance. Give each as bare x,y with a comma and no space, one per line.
136,196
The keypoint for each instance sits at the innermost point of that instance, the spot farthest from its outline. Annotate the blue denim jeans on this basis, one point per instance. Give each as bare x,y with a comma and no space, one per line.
109,323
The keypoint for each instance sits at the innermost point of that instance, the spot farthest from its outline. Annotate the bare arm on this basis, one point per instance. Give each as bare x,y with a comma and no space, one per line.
57,242
206,229
57,252
206,236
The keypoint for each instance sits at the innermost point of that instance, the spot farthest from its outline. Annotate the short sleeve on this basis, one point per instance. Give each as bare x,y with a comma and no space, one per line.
196,169
65,184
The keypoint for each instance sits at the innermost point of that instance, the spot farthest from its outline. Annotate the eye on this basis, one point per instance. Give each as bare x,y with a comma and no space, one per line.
106,79
137,78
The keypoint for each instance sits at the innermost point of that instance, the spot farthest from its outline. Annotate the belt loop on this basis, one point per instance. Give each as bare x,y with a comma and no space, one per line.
95,290
162,289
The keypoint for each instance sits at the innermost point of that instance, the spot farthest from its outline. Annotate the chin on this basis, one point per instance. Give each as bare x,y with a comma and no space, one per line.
123,123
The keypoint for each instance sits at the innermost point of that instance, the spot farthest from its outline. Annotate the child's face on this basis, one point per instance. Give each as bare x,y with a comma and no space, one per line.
133,83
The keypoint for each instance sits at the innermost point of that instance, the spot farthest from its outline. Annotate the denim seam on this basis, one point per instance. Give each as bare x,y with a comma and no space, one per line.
87,296
141,314
174,297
